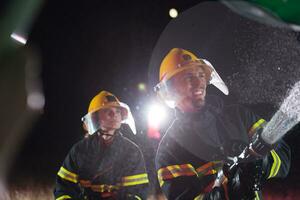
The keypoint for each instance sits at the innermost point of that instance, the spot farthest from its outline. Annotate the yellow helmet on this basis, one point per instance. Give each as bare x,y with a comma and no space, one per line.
178,60
106,99
102,100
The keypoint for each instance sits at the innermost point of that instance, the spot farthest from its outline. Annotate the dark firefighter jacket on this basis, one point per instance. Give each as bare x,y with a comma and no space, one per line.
192,151
93,170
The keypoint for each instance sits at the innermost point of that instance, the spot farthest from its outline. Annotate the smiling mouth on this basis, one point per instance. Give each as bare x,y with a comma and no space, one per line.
198,92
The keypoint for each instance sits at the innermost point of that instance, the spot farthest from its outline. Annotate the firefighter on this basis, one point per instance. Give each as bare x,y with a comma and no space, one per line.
104,165
193,157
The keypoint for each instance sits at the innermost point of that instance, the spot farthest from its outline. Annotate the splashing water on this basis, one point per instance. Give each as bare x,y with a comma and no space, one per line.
285,118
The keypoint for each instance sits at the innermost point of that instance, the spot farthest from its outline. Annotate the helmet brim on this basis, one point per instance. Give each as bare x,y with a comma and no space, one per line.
91,120
206,68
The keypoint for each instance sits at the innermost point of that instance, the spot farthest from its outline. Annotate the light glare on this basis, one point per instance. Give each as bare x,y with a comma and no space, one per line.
156,114
18,38
36,101
173,13
141,86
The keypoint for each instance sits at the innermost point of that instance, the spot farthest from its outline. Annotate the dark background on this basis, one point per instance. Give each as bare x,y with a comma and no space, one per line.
86,47
89,46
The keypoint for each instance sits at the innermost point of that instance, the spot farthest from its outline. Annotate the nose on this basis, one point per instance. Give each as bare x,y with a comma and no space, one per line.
196,81
112,114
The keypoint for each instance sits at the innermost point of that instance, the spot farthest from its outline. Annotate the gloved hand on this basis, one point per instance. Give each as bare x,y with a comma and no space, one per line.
217,193
244,179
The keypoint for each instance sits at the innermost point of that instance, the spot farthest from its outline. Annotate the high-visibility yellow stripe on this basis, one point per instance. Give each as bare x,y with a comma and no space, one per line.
135,197
209,168
179,170
199,197
276,164
161,181
256,196
174,171
135,180
255,126
64,197
133,177
67,175
104,188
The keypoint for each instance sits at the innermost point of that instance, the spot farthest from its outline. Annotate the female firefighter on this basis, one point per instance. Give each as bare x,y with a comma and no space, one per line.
192,157
104,165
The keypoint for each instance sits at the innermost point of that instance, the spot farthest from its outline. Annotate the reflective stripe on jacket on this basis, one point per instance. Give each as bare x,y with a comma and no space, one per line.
191,152
93,170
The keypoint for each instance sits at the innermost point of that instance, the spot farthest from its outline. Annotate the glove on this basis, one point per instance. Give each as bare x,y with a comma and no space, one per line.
217,193
244,179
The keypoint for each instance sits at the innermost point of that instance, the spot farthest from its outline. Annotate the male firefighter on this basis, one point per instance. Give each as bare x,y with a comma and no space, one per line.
194,156
104,165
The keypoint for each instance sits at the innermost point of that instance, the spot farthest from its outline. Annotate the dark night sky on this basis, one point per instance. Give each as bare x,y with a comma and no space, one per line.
84,48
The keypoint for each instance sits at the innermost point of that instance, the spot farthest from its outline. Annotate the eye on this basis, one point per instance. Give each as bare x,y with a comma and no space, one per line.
188,77
118,110
106,111
201,75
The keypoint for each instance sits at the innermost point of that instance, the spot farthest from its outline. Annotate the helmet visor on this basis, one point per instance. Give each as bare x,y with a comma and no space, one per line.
212,76
91,121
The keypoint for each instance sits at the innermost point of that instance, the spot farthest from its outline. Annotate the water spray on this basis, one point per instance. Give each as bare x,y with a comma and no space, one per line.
264,140
283,120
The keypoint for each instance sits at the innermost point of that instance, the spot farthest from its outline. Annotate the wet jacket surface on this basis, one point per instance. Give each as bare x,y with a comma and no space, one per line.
93,170
193,150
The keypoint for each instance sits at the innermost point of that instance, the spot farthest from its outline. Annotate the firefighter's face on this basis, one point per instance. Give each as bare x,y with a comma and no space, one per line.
189,87
110,118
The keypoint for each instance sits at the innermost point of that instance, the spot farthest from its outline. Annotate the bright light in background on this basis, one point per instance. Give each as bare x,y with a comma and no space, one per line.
36,100
173,13
141,86
156,115
18,38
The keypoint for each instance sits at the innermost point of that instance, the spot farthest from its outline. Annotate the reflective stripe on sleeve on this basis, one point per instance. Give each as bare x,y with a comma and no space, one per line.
259,124
256,196
209,168
199,197
135,180
276,164
174,171
64,197
67,175
135,197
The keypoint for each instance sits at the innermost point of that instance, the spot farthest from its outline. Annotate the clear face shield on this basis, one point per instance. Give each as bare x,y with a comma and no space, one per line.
91,121
216,80
163,88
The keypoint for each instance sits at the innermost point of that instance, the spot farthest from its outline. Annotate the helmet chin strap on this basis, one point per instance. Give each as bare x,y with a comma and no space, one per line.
105,133
106,138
